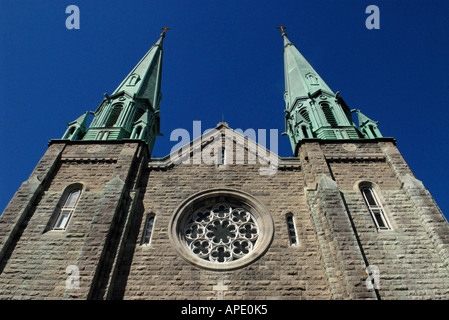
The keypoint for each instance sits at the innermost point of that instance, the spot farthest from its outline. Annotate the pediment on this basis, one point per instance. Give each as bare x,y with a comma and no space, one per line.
223,146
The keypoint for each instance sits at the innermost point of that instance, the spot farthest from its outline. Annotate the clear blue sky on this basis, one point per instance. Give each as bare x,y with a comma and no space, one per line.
224,58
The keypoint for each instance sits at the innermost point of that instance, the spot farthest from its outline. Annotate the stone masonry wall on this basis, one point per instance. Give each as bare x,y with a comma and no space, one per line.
158,271
336,235
35,261
410,261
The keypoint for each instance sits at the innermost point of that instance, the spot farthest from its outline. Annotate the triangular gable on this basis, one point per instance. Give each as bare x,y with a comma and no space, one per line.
239,149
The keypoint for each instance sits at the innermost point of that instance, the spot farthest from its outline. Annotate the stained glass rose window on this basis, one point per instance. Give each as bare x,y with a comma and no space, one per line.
221,233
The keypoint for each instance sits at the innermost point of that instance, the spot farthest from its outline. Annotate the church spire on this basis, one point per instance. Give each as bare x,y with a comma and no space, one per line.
313,110
132,110
301,79
144,80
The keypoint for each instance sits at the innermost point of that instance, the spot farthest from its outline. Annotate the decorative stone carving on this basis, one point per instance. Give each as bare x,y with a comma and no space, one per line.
221,229
221,233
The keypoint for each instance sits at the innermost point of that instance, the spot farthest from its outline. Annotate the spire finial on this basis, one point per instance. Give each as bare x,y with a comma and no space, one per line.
282,29
164,30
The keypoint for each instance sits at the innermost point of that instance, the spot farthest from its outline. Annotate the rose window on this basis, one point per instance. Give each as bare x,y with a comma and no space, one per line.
221,233
221,229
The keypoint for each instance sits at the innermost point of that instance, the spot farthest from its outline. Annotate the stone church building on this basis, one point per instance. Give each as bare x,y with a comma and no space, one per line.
222,217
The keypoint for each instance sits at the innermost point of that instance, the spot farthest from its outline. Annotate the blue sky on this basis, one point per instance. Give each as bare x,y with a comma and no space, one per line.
224,59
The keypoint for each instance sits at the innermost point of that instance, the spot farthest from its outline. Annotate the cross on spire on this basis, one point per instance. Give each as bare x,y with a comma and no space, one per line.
164,30
282,29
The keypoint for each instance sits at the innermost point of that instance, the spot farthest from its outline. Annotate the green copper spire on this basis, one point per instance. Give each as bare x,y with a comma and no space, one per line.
77,128
313,110
132,110
144,81
301,79
368,127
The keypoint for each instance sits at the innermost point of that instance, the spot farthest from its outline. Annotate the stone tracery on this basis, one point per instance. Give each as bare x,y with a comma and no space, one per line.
221,233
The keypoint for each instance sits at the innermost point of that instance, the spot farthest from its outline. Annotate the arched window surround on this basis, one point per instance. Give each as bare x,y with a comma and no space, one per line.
137,132
312,78
305,131
374,203
133,80
67,204
114,115
304,113
329,114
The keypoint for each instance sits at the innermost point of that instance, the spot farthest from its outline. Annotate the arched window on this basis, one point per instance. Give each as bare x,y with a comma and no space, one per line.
312,78
373,132
304,132
291,230
71,132
137,132
67,209
103,135
305,115
133,80
329,114
375,208
138,114
75,133
148,230
114,115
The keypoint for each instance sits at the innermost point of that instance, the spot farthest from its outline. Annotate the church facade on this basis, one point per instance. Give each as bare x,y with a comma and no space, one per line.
222,217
